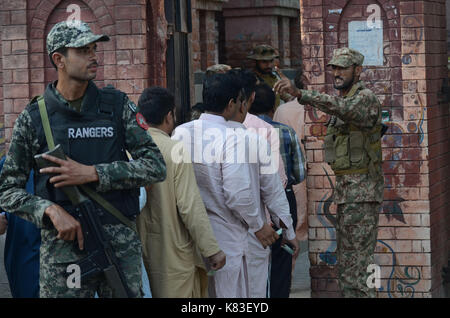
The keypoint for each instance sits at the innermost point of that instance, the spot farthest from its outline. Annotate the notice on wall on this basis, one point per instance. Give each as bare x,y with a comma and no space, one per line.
367,39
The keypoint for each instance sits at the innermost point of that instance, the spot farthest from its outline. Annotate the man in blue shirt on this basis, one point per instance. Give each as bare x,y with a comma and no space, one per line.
294,164
23,240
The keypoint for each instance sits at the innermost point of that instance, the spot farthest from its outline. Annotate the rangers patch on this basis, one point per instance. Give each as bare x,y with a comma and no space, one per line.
141,121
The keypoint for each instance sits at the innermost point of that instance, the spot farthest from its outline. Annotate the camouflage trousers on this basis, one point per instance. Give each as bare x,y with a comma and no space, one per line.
53,281
356,234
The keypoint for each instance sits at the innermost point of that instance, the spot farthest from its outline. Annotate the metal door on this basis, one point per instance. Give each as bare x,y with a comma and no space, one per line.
179,19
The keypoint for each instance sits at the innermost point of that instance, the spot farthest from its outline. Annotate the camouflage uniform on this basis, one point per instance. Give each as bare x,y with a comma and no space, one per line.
358,195
56,255
265,52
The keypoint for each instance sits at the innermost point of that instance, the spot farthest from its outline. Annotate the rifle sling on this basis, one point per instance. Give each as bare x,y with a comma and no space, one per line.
46,123
91,193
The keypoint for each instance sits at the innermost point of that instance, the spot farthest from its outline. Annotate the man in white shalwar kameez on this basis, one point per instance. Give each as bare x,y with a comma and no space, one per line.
268,190
225,184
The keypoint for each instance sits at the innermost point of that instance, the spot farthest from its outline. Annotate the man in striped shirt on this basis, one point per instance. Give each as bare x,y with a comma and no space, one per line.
294,164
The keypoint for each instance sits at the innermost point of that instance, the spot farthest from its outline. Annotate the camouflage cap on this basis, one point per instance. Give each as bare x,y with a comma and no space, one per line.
345,57
263,52
72,33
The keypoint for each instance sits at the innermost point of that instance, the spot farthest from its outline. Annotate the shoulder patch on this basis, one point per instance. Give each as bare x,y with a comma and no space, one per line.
141,121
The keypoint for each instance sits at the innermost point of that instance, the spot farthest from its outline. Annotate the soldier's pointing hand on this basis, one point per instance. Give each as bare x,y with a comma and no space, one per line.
285,85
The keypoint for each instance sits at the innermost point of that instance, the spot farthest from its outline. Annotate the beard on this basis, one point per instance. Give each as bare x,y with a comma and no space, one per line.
340,84
79,75
82,77
267,70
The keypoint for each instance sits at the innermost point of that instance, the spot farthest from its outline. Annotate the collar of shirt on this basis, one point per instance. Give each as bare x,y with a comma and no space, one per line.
234,124
153,130
213,118
58,94
266,118
63,100
355,88
266,75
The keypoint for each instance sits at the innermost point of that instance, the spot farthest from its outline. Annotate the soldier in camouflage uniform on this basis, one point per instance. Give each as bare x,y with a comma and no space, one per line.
264,56
69,101
353,150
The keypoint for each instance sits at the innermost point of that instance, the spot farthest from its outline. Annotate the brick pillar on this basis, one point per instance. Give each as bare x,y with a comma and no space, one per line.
205,41
156,43
438,138
448,26
16,88
205,33
249,23
412,228
2,119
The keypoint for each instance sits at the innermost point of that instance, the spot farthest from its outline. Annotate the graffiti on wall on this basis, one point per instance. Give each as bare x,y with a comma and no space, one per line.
413,22
329,256
402,281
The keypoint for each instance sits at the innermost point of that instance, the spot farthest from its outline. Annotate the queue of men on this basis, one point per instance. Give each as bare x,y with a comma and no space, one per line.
220,214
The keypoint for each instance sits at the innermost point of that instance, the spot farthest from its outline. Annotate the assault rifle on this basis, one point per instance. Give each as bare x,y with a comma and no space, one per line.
101,257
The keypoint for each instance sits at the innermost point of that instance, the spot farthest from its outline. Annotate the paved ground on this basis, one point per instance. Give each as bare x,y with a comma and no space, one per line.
301,283
4,286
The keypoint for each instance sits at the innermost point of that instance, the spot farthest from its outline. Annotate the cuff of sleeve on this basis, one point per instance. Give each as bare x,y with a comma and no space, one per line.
212,252
276,220
305,99
104,183
39,213
290,233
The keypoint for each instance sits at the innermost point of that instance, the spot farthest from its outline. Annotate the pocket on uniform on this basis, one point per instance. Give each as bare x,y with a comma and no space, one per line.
356,146
342,157
330,153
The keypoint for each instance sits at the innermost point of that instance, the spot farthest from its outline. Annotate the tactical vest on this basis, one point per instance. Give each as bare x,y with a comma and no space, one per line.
350,150
93,136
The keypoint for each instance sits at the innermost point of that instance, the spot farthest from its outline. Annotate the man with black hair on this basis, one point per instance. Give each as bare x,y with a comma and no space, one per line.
293,115
352,148
275,205
226,184
266,58
94,127
294,163
173,226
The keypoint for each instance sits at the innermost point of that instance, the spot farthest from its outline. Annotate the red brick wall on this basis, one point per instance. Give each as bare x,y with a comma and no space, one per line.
249,23
16,88
412,228
2,129
132,60
438,139
156,43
